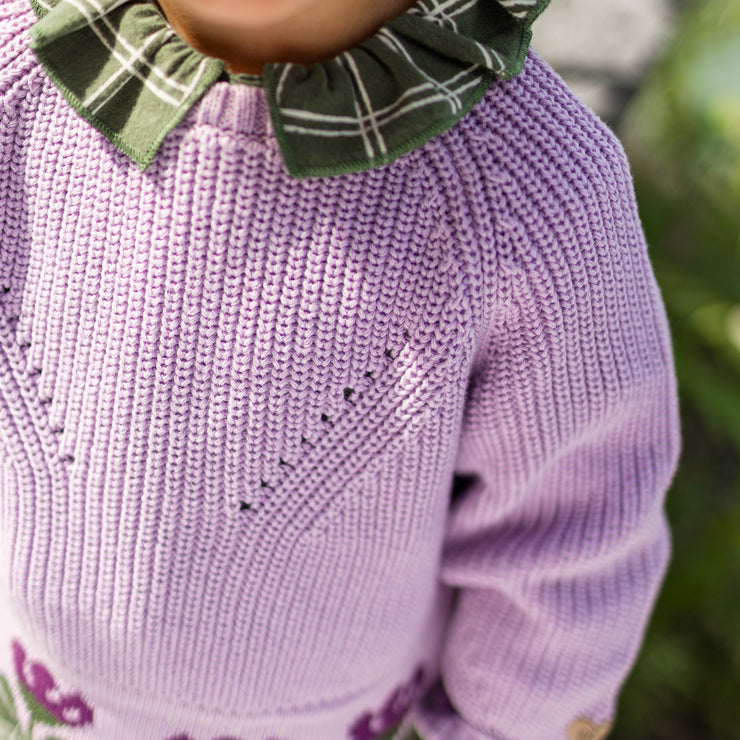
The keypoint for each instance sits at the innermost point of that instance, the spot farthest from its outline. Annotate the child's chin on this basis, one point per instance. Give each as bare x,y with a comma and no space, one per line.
240,12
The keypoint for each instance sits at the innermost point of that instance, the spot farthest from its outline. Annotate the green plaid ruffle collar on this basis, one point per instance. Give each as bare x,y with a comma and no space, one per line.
123,68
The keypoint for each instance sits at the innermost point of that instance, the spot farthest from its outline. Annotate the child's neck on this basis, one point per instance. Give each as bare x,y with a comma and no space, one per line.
249,34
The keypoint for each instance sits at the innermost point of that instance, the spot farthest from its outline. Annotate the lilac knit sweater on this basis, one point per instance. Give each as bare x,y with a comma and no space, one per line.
233,405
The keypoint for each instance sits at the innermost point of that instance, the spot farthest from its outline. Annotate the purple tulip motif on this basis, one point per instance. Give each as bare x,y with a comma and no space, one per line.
386,720
45,701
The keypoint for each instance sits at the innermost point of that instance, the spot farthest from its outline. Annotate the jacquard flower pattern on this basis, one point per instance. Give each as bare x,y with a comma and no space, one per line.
36,681
46,703
385,721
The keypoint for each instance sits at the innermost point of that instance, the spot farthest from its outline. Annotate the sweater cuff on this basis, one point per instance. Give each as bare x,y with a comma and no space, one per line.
435,718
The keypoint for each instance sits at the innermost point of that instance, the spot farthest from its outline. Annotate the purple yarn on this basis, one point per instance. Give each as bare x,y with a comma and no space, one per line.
235,406
69,709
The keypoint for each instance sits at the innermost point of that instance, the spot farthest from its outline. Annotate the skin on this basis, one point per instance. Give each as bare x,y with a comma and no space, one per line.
248,34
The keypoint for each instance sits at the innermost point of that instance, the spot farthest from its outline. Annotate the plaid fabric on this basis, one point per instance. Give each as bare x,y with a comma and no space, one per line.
124,69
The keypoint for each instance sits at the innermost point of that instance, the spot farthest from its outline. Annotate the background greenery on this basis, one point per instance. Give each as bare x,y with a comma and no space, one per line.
682,133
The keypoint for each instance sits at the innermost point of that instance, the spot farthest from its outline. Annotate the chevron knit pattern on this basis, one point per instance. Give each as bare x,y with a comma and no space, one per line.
275,454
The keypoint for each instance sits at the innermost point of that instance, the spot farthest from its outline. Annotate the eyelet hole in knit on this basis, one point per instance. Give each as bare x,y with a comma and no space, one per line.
351,397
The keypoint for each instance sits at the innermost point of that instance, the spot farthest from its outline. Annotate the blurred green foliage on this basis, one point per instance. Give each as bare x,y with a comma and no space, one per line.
682,133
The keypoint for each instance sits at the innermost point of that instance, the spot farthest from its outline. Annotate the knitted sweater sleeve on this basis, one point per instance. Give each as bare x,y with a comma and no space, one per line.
558,542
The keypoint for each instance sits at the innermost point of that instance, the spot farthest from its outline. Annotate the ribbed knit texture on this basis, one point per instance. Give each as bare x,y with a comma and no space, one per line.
232,404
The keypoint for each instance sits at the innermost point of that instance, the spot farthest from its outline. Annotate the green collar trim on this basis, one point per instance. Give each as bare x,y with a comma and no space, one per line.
123,68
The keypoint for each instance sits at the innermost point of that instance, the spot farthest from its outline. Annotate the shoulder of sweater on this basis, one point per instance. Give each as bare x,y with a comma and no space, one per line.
532,135
546,192
535,171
